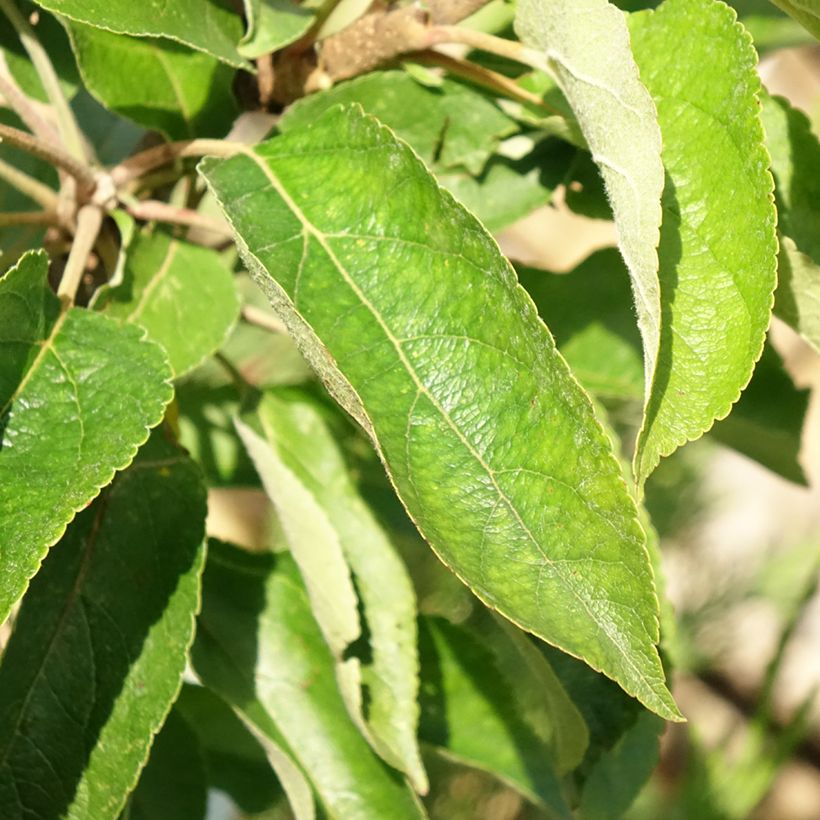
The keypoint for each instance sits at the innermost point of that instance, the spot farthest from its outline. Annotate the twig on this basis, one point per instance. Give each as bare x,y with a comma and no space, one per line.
28,218
24,107
152,158
261,318
265,80
66,123
511,49
481,76
31,187
89,222
152,210
50,153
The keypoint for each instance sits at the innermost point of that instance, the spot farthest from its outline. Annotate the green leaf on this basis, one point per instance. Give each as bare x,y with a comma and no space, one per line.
508,189
718,244
100,644
805,12
460,126
467,711
767,421
795,156
156,83
616,778
596,334
78,394
173,783
586,46
384,282
206,25
182,294
234,761
298,434
112,137
273,24
798,292
259,647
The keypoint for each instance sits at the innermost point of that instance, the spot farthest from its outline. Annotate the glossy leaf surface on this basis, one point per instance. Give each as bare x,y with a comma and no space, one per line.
100,643
78,394
183,294
384,281
718,245
260,648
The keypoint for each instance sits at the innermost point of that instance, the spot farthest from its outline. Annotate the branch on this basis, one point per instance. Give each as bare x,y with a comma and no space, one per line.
50,153
380,37
159,155
66,123
511,49
89,222
152,210
262,319
31,187
24,107
28,218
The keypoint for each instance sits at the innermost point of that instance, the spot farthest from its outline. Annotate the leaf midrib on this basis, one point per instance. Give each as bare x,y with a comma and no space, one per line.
309,228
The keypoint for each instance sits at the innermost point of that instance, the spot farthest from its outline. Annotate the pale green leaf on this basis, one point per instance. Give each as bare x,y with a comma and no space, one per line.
460,126
468,713
718,245
260,648
206,25
78,394
806,12
586,46
173,784
767,421
389,669
385,283
618,775
182,294
156,83
100,644
798,292
273,24
235,763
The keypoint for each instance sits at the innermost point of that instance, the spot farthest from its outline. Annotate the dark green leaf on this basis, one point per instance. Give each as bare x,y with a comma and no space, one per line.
718,244
78,394
385,283
100,644
182,294
259,647
467,711
173,784
156,83
460,126
235,762
206,25
273,24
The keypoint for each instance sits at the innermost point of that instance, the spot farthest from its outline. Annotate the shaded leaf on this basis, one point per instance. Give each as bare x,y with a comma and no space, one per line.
100,644
259,647
798,292
112,137
805,12
273,24
460,126
235,763
173,784
467,711
596,333
156,83
384,282
617,776
388,667
718,242
206,25
78,394
767,421
586,46
182,294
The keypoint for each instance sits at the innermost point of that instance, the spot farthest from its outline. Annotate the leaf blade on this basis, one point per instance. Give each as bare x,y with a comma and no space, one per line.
422,352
